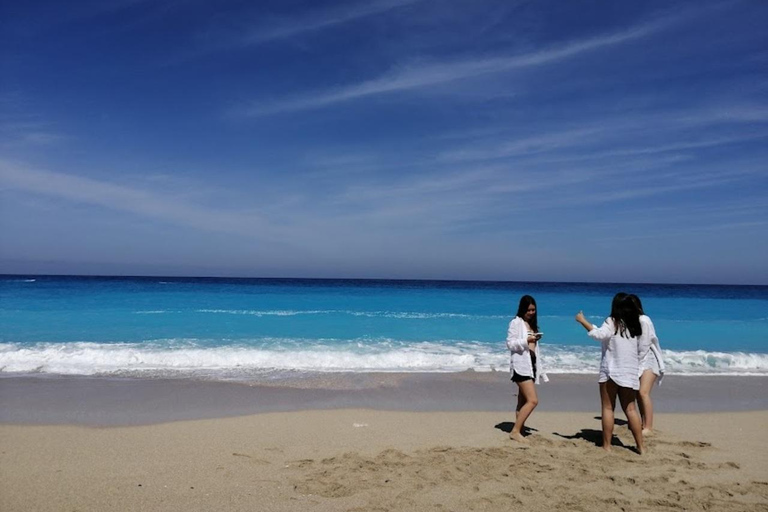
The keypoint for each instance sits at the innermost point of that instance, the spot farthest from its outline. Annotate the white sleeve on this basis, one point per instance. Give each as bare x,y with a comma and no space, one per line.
655,346
517,337
604,332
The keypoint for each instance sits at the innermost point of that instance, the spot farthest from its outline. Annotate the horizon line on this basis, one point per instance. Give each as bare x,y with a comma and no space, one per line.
379,279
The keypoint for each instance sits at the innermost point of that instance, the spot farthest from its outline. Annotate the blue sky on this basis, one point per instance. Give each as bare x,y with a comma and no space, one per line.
501,140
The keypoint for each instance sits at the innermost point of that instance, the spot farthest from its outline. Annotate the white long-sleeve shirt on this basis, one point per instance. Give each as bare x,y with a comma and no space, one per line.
620,361
520,358
650,348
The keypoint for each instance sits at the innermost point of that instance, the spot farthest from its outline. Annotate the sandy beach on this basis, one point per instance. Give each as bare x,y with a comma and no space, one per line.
352,458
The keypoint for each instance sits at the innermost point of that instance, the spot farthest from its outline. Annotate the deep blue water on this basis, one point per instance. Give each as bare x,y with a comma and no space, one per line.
238,328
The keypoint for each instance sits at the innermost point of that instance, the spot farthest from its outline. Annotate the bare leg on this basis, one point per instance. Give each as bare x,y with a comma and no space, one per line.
530,401
520,404
608,391
644,402
627,399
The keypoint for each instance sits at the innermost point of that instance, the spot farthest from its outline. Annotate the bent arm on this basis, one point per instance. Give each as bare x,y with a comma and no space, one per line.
517,337
584,322
602,333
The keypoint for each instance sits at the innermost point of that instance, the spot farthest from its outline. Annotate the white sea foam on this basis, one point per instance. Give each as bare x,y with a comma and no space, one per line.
370,314
417,315
183,357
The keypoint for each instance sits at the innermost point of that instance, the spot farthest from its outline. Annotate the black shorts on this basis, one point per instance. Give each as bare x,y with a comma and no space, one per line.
516,377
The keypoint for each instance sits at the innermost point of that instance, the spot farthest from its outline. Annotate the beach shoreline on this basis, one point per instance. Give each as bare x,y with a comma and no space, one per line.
100,401
373,442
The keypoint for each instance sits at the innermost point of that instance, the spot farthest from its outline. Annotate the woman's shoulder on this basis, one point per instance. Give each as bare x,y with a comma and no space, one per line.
516,319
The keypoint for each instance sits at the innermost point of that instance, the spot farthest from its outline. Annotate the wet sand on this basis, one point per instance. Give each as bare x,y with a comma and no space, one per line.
102,402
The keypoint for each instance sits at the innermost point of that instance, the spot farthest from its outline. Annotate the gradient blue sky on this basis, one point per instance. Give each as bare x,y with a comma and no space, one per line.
479,139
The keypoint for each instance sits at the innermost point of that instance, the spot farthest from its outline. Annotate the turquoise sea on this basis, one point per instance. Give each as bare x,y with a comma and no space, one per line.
254,329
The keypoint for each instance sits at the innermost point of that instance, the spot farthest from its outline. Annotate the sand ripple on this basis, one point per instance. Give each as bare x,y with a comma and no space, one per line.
547,474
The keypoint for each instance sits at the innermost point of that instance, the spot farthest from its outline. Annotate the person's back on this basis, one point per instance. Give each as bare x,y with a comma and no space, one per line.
621,358
620,337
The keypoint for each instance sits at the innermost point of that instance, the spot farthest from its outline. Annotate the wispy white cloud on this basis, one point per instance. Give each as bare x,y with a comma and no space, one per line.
318,20
526,145
420,75
74,12
434,199
538,145
676,233
27,134
683,131
21,126
268,29
143,202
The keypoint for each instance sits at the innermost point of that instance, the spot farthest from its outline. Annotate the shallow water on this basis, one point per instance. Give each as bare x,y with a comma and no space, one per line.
241,329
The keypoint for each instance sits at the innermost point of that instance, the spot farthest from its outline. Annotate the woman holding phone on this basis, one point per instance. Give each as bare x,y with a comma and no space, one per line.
523,337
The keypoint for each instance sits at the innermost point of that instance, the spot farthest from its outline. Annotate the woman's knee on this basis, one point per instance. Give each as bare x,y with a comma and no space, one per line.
644,394
629,406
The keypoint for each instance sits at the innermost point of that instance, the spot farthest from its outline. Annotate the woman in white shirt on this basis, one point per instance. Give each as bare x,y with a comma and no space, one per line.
525,365
651,368
620,337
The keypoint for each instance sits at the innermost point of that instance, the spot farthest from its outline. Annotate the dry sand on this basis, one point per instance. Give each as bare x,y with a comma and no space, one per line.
367,460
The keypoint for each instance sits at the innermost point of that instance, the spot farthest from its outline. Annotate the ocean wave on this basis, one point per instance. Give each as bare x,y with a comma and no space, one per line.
189,356
416,315
291,312
84,358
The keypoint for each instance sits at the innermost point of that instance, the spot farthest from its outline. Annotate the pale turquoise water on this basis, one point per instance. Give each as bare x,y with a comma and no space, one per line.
241,328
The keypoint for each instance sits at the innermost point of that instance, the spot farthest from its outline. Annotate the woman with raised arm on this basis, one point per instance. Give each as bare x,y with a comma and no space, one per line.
525,364
651,367
619,365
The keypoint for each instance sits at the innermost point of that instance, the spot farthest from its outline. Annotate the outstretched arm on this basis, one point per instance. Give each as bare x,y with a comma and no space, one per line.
584,322
602,333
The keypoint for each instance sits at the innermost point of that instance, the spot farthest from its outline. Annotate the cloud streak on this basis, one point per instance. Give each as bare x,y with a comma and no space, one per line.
318,21
426,75
278,30
624,137
133,200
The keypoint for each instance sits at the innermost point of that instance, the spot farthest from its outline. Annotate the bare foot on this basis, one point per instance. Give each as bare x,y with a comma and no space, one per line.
517,436
647,432
641,450
607,448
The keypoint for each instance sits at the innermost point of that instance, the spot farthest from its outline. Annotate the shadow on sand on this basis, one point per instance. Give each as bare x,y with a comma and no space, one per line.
507,426
616,421
596,437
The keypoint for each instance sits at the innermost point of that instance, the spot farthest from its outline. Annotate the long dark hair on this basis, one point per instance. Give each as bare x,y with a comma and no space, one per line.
626,316
637,302
522,309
